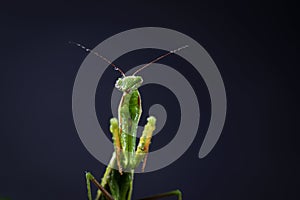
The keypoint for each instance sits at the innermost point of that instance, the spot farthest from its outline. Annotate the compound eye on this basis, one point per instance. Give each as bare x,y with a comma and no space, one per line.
118,84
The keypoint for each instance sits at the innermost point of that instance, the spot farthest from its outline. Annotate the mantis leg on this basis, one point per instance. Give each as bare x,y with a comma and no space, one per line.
167,194
144,143
114,129
90,178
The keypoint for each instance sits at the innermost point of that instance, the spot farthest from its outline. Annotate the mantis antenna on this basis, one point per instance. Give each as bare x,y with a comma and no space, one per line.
159,58
98,55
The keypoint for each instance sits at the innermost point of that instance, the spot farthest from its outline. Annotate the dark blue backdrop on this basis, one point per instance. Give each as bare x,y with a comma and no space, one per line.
253,44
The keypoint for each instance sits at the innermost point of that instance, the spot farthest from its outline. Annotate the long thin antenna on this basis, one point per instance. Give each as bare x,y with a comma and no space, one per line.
159,58
98,55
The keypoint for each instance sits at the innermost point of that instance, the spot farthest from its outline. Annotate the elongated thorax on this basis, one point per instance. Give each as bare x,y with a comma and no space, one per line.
129,114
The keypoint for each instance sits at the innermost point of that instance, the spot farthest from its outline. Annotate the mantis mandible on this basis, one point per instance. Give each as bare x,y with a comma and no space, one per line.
117,181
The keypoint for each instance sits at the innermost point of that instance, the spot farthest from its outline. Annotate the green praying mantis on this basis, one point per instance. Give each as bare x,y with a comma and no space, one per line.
117,181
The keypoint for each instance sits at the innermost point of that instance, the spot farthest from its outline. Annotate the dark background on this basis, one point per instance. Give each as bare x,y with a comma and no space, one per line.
254,45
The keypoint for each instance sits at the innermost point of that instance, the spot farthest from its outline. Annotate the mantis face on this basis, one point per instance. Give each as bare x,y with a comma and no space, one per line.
129,83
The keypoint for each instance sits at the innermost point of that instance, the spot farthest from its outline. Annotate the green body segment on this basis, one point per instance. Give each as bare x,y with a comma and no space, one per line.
120,184
129,115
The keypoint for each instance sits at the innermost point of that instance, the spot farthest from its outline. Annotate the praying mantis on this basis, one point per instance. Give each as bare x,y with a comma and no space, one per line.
117,181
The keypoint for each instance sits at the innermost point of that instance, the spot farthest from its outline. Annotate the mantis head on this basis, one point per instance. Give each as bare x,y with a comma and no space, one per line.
129,83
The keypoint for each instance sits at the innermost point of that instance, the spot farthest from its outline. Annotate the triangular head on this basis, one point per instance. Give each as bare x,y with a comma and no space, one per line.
129,83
